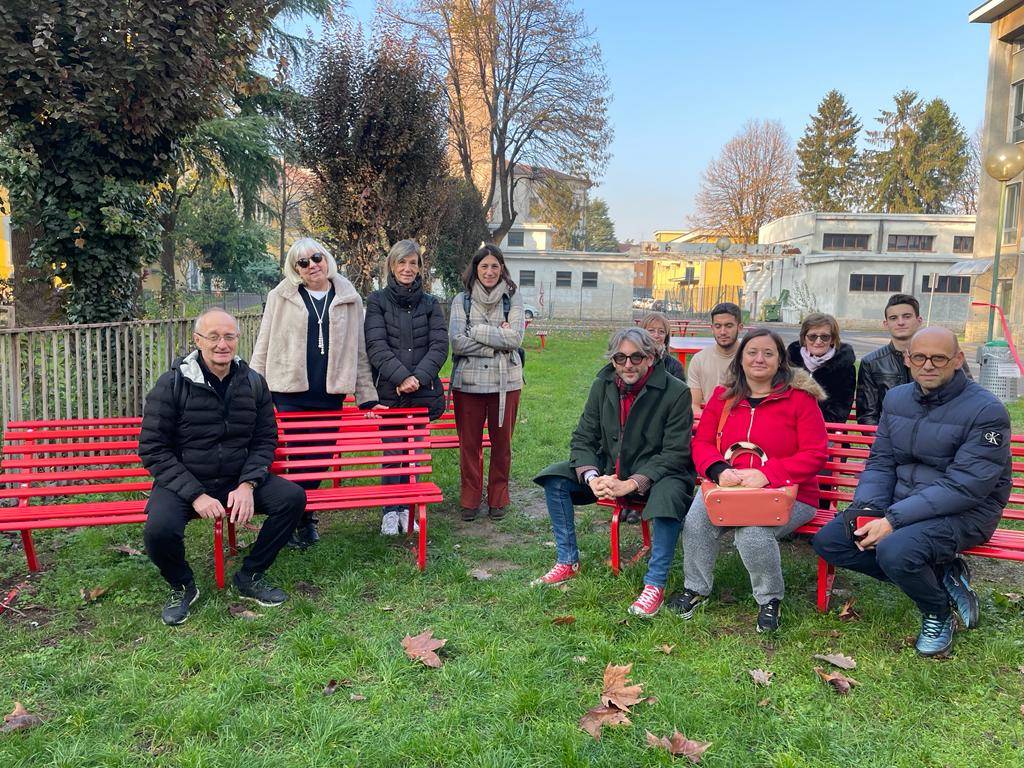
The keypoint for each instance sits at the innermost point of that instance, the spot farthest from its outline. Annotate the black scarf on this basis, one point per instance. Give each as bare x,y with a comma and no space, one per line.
405,296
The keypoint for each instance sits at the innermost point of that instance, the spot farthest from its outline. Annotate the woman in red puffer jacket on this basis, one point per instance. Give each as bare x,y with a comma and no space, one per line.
775,407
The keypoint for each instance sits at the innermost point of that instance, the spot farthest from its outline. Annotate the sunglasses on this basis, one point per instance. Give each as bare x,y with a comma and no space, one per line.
620,358
824,337
316,258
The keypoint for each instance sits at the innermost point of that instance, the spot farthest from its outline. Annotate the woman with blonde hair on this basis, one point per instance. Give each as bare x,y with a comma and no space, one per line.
656,324
310,346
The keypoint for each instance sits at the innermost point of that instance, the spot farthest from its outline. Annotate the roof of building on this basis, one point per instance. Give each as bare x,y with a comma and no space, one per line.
989,11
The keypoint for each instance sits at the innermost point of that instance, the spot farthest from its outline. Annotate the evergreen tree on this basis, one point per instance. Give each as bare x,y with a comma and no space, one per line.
600,229
892,166
828,166
943,155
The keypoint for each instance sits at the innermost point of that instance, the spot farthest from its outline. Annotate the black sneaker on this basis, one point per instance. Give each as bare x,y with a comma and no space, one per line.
957,581
305,534
254,586
686,603
176,611
769,616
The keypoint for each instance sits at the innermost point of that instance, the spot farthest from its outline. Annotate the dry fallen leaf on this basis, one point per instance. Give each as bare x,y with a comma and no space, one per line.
239,611
560,621
666,649
331,688
617,692
597,717
847,612
1021,669
580,659
480,574
763,703
837,659
19,719
677,744
422,648
357,697
92,595
124,549
837,680
762,677
1013,597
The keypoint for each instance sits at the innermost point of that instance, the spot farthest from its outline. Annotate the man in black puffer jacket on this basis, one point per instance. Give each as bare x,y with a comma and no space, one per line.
936,482
208,438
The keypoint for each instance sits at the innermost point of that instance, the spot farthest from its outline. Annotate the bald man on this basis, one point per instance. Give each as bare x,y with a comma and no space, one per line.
936,482
208,438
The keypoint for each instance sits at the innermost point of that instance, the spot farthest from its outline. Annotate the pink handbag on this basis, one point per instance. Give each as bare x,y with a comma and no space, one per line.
738,506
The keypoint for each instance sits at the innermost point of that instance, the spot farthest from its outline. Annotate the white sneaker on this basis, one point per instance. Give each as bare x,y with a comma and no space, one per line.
403,522
389,524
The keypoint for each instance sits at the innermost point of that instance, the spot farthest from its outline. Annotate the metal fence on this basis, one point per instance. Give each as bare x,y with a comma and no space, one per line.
93,371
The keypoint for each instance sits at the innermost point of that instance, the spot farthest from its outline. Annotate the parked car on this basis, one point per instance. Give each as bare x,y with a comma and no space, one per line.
530,311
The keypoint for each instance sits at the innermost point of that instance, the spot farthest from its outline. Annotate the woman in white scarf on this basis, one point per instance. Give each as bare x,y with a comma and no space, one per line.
830,361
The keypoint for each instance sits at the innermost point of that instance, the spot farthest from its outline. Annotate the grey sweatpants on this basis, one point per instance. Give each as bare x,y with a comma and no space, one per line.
758,547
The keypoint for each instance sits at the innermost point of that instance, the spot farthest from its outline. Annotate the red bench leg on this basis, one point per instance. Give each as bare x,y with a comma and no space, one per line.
421,551
645,530
218,552
232,540
826,577
615,539
30,551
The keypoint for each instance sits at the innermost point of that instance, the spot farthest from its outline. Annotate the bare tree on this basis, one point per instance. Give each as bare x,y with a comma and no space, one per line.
751,182
525,84
965,196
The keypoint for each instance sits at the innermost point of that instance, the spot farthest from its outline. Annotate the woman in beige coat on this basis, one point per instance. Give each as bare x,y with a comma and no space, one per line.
310,347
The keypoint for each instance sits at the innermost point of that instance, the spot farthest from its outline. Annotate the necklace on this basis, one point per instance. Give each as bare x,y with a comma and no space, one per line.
319,320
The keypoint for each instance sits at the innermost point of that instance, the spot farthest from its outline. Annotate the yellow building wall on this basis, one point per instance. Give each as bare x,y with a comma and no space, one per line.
704,291
6,267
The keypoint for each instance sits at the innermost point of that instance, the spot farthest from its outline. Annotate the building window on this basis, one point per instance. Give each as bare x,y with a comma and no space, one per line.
844,242
1018,45
947,284
563,279
589,280
876,283
527,278
963,244
911,242
515,240
1011,214
1018,111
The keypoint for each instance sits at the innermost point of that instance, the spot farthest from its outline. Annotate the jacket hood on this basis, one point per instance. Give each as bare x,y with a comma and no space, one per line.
190,368
802,380
344,291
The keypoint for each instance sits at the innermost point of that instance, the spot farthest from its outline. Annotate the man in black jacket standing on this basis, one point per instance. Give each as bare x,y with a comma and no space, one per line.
935,484
884,368
208,438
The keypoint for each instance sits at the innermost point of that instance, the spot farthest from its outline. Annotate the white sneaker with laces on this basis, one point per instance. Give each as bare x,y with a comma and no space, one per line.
389,523
403,522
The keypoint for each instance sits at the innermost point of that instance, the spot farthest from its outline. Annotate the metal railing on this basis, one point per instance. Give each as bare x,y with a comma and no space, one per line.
93,371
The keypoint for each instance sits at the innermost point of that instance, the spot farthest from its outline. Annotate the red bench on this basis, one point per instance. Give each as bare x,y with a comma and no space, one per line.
73,473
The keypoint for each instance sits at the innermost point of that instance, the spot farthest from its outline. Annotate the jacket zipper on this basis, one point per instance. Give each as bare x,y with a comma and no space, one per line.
750,426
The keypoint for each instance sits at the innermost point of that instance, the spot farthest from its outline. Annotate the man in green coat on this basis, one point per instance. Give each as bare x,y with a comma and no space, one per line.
633,439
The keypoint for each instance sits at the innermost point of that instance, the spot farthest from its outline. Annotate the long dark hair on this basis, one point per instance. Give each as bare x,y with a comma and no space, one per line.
737,387
469,277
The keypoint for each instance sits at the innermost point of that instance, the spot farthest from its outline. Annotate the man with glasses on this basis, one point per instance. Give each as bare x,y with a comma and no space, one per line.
208,438
633,440
935,484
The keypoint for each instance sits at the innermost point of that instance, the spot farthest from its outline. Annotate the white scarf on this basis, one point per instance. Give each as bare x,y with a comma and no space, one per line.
812,363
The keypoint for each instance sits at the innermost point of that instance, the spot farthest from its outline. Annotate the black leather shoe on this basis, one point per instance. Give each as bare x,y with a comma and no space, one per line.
496,513
305,534
469,514
176,611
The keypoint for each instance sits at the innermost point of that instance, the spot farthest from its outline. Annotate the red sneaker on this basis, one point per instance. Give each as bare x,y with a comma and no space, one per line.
561,572
649,601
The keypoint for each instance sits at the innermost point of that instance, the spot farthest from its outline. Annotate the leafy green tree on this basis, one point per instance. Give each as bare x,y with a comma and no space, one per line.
944,151
828,166
560,206
373,134
463,227
97,95
600,235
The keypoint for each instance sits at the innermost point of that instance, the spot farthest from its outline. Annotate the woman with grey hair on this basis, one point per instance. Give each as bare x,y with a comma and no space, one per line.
310,346
407,343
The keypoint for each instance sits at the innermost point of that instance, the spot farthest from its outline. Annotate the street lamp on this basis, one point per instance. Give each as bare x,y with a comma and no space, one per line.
1002,163
722,244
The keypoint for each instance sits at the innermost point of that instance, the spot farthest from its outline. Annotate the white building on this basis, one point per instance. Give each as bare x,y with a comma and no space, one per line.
848,264
572,285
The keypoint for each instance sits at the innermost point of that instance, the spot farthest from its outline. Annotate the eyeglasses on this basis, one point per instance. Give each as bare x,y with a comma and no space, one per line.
316,258
938,361
823,337
216,338
620,358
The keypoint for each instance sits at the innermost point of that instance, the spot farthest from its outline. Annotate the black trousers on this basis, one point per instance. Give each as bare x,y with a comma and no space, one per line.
913,557
282,501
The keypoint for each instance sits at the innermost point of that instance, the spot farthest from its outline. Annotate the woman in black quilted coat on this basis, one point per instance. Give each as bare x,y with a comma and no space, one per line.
407,343
830,361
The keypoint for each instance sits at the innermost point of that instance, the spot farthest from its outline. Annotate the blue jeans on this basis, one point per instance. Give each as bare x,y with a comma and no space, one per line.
558,492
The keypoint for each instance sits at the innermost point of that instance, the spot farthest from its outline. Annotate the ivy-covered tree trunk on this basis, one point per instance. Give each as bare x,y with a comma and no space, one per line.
36,301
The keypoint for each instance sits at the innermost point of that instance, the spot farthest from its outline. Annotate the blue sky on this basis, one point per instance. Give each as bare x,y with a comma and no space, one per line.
686,75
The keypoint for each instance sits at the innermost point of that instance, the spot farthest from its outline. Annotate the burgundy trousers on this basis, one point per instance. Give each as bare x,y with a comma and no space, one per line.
472,411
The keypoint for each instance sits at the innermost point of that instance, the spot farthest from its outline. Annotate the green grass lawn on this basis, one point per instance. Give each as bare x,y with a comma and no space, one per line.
117,688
